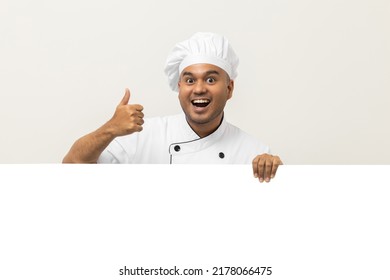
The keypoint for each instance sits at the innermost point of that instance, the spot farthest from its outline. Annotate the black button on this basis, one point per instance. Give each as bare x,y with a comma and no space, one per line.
221,155
177,148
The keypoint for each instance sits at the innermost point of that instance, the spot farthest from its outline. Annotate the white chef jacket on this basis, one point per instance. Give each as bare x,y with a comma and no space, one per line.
171,140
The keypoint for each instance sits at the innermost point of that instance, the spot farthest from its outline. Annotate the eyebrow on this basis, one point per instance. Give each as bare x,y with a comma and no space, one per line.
206,74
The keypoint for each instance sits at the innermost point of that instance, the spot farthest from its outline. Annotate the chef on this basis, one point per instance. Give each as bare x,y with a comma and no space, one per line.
202,70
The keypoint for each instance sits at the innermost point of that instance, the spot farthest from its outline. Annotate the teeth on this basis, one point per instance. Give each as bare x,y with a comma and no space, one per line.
198,101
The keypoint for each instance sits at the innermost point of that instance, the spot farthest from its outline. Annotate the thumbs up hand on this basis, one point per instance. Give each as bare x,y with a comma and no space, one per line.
128,118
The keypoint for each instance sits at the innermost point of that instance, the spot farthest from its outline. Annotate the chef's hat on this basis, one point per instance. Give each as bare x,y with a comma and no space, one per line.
207,48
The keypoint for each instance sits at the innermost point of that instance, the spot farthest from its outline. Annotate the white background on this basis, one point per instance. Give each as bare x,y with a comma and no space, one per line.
313,81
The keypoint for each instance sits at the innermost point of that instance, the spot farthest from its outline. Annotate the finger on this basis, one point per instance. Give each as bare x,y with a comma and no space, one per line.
139,128
126,98
138,107
275,165
260,168
267,169
254,166
140,121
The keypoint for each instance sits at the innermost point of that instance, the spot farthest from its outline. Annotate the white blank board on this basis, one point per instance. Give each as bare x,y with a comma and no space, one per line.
90,221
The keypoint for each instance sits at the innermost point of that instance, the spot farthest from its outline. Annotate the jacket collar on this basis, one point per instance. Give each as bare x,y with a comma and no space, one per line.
189,142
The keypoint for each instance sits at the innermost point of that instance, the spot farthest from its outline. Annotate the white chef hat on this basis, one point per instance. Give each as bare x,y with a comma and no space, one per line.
207,48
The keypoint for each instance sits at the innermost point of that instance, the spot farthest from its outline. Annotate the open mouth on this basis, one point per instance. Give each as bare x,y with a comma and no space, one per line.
200,102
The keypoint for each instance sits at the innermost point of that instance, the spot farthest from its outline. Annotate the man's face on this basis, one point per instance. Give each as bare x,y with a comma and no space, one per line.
204,90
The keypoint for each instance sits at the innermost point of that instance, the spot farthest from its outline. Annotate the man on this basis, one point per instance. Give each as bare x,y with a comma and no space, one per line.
202,69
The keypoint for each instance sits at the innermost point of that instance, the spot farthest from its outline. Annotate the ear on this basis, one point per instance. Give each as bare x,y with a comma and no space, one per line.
230,89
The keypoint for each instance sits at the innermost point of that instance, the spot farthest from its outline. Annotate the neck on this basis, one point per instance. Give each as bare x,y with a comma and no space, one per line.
205,129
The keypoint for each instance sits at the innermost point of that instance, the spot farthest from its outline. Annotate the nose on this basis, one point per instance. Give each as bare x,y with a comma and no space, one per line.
200,87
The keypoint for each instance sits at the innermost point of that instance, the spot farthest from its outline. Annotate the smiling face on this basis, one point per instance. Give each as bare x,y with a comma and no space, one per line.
204,90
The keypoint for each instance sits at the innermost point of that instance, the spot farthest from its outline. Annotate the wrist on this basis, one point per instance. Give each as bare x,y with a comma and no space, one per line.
107,131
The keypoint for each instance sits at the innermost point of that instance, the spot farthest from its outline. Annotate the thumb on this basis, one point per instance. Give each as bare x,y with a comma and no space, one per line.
126,98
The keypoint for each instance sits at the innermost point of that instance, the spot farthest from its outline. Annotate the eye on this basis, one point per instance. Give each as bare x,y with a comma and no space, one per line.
190,80
210,80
